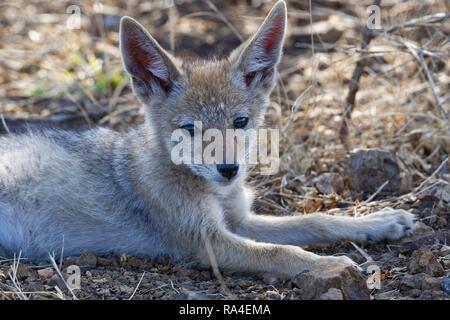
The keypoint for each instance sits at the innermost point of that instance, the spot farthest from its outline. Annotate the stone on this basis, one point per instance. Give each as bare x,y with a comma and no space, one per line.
134,262
34,287
273,295
411,281
431,283
72,261
88,260
104,292
126,289
107,262
46,273
329,182
440,191
56,281
315,283
445,285
444,250
423,260
196,296
332,294
369,169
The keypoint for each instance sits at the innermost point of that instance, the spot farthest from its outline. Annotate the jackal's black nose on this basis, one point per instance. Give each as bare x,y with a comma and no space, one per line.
228,170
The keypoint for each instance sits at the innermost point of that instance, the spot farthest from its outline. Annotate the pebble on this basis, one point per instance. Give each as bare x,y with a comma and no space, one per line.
88,260
273,295
46,273
445,285
315,283
423,260
329,182
55,280
370,168
332,294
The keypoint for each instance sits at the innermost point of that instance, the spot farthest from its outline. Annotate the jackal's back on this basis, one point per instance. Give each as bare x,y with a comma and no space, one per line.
64,188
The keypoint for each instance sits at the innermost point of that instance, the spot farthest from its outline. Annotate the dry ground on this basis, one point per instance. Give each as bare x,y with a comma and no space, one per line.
71,78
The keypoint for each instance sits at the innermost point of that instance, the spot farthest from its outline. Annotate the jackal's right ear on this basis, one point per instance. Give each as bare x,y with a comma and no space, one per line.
258,57
151,68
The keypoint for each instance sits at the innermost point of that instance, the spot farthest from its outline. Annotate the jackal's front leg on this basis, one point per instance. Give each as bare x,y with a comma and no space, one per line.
233,252
389,224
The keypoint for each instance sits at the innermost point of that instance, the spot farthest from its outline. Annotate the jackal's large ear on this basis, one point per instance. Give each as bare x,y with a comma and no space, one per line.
258,57
151,68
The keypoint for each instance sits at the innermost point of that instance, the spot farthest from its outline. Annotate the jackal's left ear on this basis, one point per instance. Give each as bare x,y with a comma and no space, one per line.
258,57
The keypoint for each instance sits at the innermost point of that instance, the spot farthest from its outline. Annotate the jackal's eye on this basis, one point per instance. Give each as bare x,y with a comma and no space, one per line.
240,122
190,128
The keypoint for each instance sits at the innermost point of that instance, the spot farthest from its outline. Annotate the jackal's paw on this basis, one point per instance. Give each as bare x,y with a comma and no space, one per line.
337,263
386,224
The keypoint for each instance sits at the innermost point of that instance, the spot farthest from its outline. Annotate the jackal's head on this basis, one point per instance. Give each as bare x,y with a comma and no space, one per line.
220,94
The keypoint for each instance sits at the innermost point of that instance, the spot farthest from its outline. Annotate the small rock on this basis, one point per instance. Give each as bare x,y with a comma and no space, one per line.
34,287
88,260
389,295
184,273
369,169
332,294
440,191
421,229
46,273
205,275
187,285
55,280
104,292
432,295
431,283
160,294
411,281
313,284
273,295
424,236
126,289
423,260
445,285
445,250
107,262
24,272
72,261
414,293
329,182
196,296
133,262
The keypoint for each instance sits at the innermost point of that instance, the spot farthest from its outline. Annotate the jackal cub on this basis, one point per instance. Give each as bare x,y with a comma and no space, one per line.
104,191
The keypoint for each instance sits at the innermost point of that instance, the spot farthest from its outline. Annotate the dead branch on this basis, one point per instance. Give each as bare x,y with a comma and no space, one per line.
368,35
418,53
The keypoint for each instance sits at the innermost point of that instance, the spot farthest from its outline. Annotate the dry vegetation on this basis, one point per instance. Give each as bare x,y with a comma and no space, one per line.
51,75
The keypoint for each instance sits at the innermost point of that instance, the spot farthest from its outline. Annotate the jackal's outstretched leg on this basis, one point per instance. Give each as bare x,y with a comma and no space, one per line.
233,252
389,224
